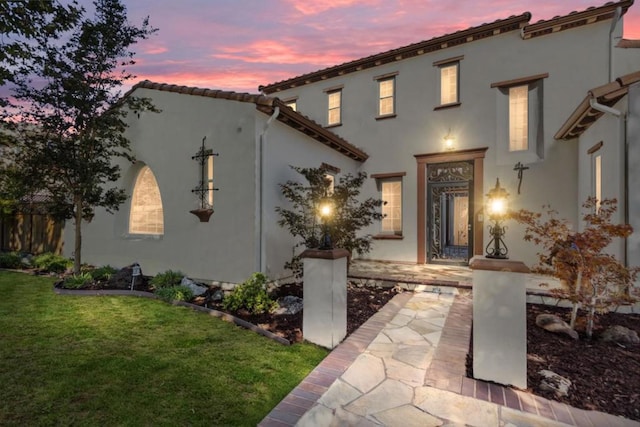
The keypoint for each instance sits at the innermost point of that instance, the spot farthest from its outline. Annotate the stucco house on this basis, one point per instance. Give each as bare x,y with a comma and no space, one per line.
252,140
433,124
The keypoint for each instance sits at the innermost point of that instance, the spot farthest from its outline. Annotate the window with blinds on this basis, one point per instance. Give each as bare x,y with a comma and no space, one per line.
146,215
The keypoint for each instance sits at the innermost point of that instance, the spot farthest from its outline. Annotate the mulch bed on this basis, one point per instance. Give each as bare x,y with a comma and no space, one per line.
605,376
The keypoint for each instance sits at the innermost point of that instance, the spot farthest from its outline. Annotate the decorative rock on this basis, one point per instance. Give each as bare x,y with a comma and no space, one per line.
218,295
196,288
554,382
289,305
620,335
553,323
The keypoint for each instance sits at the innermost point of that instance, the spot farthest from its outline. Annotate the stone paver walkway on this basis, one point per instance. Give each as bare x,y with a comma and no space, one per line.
406,367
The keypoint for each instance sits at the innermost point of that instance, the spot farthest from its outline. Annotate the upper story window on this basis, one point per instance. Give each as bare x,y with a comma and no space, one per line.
334,105
386,95
292,103
520,130
449,81
146,215
518,118
334,116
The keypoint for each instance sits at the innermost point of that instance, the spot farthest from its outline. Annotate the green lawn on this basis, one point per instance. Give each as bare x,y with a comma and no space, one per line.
67,360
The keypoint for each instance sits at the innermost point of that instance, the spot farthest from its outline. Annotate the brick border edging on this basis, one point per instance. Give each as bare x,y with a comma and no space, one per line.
305,395
215,313
448,372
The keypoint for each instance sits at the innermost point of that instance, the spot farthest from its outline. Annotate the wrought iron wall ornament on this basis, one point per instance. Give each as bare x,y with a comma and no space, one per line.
520,168
202,190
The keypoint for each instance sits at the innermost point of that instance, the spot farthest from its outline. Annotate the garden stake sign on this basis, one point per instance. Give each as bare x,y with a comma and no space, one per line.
135,272
205,188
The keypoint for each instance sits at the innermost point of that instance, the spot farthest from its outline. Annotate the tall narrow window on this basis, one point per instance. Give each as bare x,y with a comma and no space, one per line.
386,90
391,190
519,118
335,107
210,181
146,216
449,84
597,177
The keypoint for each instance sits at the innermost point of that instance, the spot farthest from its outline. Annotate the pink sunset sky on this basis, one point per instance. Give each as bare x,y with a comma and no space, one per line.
240,44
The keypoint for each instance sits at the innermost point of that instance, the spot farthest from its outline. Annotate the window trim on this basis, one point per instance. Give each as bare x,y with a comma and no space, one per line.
446,63
519,82
339,108
139,233
387,78
289,101
391,177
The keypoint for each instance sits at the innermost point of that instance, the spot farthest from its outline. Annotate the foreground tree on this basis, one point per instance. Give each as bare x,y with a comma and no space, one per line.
68,120
348,217
591,278
24,22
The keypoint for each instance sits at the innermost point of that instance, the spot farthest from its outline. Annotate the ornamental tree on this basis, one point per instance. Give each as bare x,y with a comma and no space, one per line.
591,278
349,214
66,117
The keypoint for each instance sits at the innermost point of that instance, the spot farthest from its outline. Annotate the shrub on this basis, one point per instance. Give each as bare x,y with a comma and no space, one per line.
591,278
174,293
251,295
77,280
10,260
350,214
167,279
103,273
51,263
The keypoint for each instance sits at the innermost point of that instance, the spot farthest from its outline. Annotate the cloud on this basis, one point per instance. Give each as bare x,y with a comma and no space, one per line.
320,6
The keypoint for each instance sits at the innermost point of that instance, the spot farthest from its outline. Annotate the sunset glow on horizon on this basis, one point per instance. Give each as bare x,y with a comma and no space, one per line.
241,44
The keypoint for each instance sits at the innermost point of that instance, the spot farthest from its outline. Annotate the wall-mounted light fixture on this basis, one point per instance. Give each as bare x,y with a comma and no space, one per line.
325,209
449,141
497,208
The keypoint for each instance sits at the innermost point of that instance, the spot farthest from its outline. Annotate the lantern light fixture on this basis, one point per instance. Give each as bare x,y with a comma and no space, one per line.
449,141
497,208
326,212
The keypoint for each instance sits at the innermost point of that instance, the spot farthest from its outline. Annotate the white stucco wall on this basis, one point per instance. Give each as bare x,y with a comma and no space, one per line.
576,61
285,147
220,249
633,139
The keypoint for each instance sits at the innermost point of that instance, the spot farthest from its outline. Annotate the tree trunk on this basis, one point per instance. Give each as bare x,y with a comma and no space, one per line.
78,240
590,316
574,311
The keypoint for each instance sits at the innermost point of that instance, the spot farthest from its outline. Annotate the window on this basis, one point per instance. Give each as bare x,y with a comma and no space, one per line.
146,216
335,107
596,172
449,84
449,70
386,91
392,208
519,125
292,103
518,118
390,187
210,181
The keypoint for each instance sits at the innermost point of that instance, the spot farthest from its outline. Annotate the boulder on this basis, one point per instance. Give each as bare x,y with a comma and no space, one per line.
196,288
554,382
289,305
553,323
620,335
217,295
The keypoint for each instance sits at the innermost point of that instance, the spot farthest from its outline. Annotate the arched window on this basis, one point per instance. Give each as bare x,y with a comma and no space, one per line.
146,215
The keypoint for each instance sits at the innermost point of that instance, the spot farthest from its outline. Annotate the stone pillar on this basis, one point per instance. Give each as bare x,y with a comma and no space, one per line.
324,320
499,321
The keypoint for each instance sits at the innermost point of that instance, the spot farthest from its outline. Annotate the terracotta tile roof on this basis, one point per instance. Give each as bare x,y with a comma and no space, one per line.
628,44
267,105
575,19
519,22
585,115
